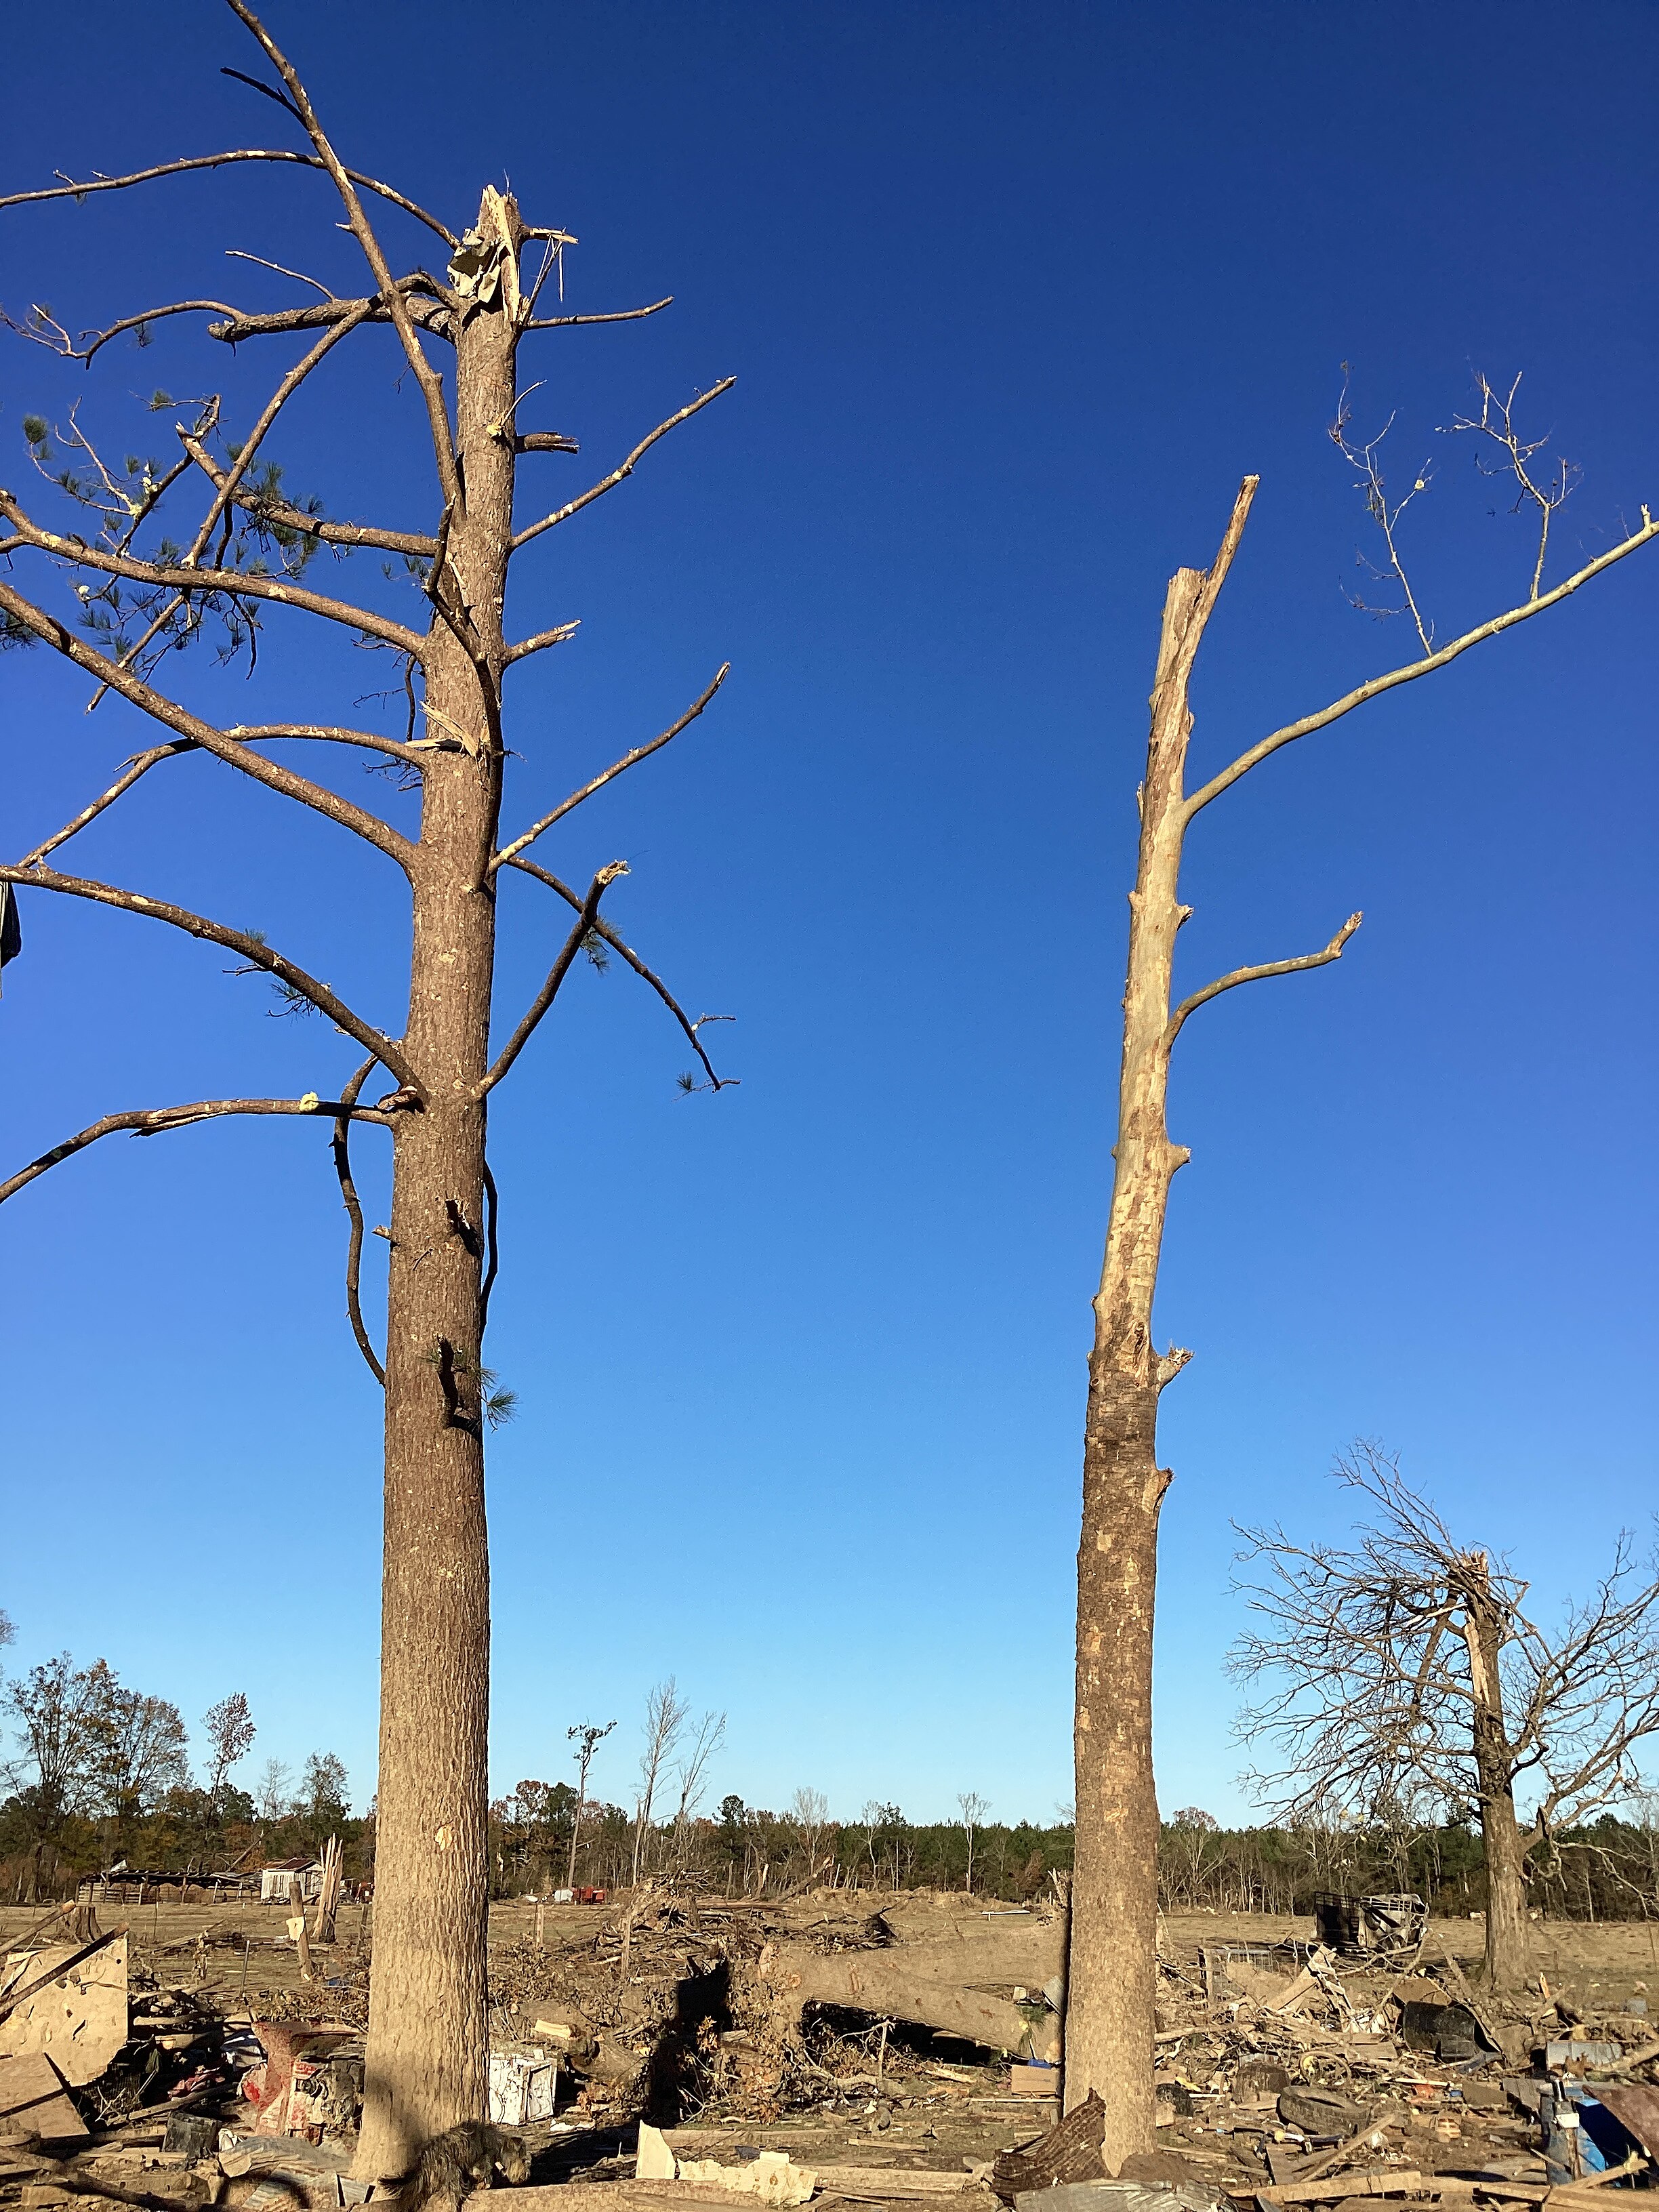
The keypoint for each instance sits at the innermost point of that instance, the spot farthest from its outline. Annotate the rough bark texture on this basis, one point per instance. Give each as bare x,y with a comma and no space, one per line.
1113,1964
427,2036
1494,1766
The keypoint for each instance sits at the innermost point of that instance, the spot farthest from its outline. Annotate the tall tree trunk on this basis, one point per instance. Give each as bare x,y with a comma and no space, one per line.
427,2049
1507,1928
1111,1982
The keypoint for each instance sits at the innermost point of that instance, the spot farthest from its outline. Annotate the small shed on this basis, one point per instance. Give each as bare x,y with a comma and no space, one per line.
285,1880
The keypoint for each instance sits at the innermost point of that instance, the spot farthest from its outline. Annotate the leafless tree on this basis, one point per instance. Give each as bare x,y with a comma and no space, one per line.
1405,1667
1113,1964
691,1775
809,1811
136,585
273,1792
587,1736
230,1734
973,1808
665,1714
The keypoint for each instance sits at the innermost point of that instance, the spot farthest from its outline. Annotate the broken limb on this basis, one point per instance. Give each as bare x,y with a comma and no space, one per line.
171,716
235,940
585,918
443,448
156,1121
629,760
626,469
543,639
72,191
1332,951
603,931
342,1149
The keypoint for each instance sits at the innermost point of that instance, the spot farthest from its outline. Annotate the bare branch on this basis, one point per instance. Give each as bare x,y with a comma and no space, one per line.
236,253
540,643
329,734
569,322
419,544
1496,421
1371,484
140,764
259,955
226,486
1441,659
545,441
443,446
218,162
234,583
171,716
1332,951
44,331
435,314
616,475
603,930
155,1121
342,1150
586,915
628,760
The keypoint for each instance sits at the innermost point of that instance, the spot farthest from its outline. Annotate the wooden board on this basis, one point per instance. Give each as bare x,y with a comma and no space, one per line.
80,2020
1635,2106
33,2103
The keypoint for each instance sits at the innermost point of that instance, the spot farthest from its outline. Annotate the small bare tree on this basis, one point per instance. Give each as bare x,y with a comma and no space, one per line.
126,585
1405,1668
230,1734
809,1811
665,1714
973,1808
691,1774
587,1736
1112,1975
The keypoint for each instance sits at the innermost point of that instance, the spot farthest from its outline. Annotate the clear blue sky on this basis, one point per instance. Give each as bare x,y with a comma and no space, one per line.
1015,295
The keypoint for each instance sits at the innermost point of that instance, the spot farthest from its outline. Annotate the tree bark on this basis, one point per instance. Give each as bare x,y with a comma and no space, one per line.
1507,1928
427,2049
1112,1971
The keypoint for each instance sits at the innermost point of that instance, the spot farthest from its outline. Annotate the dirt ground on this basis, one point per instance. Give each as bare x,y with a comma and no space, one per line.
940,2107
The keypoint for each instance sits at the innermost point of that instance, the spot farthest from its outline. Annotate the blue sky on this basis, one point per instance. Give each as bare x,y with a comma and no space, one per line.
1015,295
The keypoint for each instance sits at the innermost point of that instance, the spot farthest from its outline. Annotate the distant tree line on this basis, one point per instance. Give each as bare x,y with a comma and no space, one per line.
100,1775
